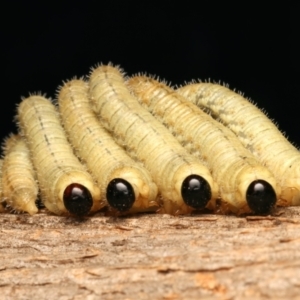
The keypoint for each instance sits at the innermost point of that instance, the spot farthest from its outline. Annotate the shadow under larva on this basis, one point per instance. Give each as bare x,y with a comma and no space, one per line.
184,183
245,185
124,184
255,131
19,186
65,185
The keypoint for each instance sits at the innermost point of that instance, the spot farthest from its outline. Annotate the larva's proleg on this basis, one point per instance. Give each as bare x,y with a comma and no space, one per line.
183,182
256,132
244,183
125,183
19,184
65,184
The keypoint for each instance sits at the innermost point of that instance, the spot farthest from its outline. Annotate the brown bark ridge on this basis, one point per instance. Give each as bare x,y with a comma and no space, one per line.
151,256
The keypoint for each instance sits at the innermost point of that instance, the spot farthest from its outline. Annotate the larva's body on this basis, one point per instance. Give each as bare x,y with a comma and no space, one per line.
106,160
237,172
64,183
177,174
19,186
256,132
2,209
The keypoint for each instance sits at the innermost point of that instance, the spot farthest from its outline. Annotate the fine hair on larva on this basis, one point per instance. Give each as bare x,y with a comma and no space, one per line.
183,181
256,132
245,185
124,184
19,186
65,184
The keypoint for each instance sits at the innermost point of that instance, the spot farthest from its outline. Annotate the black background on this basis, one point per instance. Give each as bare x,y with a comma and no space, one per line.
250,47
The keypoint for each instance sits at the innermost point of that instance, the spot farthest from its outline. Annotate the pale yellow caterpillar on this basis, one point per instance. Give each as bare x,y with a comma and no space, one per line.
19,186
64,183
2,209
255,131
245,185
123,182
184,183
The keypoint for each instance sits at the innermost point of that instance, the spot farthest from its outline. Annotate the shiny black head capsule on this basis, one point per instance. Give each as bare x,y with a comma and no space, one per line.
120,194
77,199
260,196
195,191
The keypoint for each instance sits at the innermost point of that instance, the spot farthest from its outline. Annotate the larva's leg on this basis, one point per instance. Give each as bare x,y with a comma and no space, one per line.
125,184
19,184
183,182
64,183
244,183
255,131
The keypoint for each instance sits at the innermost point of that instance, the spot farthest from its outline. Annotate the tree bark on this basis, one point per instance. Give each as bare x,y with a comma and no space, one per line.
151,256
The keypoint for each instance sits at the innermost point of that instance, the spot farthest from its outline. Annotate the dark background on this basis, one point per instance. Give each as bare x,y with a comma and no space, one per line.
250,47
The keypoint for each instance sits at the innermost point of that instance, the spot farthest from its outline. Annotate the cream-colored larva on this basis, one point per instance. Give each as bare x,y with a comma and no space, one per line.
255,131
2,209
64,183
245,185
184,183
123,182
19,186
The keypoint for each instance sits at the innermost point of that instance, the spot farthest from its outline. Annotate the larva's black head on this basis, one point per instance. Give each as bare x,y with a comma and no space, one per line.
195,191
77,199
120,194
260,196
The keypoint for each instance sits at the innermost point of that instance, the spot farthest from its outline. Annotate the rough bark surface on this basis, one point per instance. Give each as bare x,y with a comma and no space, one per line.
151,257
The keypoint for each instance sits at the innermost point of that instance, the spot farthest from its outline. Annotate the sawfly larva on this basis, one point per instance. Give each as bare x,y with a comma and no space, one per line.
184,183
64,183
243,182
256,132
2,209
19,186
125,183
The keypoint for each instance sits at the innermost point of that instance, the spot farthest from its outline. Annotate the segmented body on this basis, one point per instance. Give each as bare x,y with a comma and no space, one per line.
145,138
2,209
233,167
59,172
19,186
256,132
105,159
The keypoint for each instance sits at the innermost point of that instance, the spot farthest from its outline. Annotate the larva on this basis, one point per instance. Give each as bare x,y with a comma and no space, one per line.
242,180
256,132
2,209
123,181
183,182
19,186
64,183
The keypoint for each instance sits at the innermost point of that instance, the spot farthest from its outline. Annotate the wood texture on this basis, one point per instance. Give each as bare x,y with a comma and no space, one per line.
151,256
